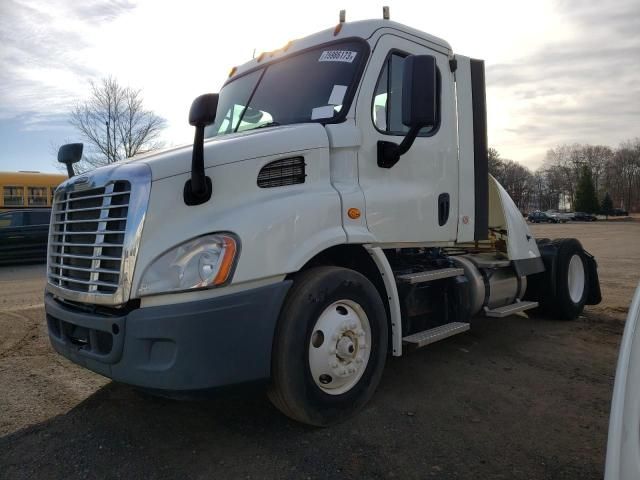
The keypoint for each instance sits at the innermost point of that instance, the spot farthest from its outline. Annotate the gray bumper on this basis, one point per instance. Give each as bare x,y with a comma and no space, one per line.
183,347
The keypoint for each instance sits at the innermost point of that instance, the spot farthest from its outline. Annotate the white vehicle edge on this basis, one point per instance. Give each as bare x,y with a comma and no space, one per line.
623,446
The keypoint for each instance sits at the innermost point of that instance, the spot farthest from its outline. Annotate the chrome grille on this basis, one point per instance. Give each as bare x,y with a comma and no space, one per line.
87,238
96,227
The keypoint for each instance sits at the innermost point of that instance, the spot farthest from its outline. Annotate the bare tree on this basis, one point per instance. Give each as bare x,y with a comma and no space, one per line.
516,179
596,158
115,125
627,167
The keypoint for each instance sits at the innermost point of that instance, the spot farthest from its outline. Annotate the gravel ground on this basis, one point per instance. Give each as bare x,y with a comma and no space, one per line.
513,398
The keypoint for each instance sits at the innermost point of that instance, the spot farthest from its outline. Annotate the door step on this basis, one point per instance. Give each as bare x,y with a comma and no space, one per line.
507,310
429,275
432,335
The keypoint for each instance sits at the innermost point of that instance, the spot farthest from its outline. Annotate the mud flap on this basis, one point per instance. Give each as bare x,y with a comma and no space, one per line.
595,296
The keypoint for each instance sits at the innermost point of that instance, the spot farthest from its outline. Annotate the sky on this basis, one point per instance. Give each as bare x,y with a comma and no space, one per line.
557,72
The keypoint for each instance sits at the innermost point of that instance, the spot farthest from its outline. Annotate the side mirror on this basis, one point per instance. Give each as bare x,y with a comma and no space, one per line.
198,189
419,105
419,85
69,154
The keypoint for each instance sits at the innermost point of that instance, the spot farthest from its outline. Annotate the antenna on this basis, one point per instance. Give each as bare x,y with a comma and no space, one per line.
343,16
385,13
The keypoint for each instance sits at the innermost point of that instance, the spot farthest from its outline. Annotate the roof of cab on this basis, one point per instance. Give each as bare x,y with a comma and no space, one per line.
361,29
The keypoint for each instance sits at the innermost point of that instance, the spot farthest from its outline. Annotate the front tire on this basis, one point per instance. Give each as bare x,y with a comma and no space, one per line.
330,346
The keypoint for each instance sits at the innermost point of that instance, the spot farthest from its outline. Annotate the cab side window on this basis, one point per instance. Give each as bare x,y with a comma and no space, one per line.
387,99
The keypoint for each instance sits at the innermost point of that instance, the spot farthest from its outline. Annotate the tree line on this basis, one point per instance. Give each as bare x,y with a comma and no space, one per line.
576,177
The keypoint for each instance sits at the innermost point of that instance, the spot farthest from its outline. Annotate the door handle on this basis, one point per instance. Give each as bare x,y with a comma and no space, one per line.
443,208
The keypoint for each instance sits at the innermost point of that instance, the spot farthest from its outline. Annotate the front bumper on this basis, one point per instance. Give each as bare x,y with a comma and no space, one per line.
183,347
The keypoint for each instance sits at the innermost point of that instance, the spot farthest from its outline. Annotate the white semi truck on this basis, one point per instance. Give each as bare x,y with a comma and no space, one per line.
335,208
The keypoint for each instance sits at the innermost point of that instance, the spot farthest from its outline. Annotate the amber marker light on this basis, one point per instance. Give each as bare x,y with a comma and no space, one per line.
227,261
353,213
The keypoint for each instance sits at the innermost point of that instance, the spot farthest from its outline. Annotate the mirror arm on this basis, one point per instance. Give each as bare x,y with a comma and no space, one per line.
198,189
389,152
70,171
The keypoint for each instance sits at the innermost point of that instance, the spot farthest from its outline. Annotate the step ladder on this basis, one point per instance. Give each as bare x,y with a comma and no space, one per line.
429,275
426,337
507,310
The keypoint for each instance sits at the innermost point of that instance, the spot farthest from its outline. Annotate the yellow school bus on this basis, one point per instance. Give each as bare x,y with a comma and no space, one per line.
27,189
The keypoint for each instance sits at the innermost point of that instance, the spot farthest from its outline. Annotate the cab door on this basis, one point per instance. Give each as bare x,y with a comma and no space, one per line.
416,200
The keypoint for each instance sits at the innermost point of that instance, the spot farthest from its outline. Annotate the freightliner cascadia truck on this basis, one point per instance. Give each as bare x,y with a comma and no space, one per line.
335,208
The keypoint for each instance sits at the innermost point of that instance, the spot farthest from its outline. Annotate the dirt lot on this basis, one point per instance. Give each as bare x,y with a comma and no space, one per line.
513,398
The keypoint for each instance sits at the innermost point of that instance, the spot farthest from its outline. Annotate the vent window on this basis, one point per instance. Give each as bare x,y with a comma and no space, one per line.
288,171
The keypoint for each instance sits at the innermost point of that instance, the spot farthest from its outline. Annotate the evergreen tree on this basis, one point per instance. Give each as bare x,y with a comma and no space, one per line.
586,198
607,205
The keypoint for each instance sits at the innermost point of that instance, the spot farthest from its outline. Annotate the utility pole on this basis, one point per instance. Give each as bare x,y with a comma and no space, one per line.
108,142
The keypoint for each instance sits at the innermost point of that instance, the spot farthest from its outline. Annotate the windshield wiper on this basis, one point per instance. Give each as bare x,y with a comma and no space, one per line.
264,125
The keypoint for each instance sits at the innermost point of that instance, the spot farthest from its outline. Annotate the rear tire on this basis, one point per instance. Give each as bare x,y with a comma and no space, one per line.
330,346
572,281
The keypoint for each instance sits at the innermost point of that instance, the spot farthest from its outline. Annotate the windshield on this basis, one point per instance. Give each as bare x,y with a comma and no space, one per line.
311,86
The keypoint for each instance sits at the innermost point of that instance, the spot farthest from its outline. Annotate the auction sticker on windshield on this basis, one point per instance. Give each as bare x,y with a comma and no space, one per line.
337,56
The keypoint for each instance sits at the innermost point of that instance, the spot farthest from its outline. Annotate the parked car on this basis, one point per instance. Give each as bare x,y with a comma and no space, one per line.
584,217
542,217
618,212
560,216
24,234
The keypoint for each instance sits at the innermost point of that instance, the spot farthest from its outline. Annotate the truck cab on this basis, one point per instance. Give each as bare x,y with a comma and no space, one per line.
334,208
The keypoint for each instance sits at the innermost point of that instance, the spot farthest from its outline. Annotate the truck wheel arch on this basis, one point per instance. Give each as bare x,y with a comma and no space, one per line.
369,261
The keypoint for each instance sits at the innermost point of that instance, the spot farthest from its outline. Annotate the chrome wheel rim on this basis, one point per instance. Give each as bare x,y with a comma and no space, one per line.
575,278
340,347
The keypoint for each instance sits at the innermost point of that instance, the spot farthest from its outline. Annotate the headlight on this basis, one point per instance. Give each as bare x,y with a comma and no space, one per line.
202,262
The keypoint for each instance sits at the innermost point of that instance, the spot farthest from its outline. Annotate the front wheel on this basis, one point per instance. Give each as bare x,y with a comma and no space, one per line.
330,346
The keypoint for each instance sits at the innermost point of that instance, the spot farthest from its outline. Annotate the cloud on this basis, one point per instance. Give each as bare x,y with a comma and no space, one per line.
41,47
101,10
583,89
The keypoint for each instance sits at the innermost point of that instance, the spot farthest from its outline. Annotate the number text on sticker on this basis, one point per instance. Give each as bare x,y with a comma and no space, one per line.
337,56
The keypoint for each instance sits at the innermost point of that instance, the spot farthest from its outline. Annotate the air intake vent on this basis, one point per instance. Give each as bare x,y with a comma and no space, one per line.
287,171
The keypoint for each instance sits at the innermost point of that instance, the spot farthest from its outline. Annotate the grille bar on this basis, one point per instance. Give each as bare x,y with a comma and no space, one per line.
83,282
90,232
73,210
90,197
112,219
69,244
82,269
85,257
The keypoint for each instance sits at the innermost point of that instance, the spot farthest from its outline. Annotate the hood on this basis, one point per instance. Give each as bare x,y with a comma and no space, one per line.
237,147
